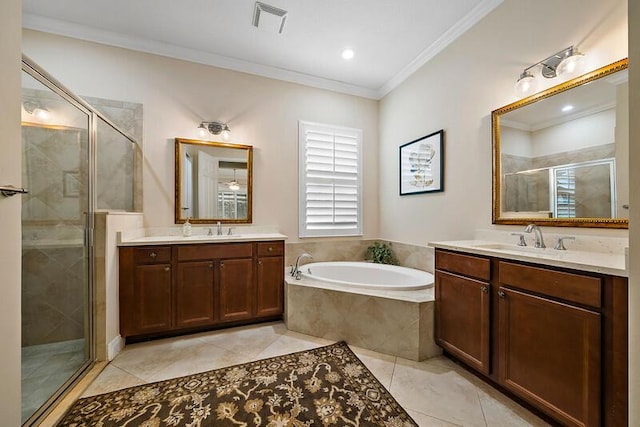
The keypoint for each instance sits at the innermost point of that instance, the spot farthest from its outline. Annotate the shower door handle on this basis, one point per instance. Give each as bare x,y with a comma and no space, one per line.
10,190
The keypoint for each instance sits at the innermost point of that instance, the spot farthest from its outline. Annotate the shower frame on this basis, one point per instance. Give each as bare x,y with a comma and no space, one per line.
42,76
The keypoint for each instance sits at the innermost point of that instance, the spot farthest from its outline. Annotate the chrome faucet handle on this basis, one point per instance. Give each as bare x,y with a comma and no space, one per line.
521,241
560,245
230,231
210,233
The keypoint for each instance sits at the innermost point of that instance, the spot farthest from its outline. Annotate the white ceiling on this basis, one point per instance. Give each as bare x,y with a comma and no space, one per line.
391,39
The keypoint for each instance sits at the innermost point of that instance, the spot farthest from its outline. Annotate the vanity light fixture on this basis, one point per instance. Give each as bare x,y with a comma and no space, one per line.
215,128
36,109
567,63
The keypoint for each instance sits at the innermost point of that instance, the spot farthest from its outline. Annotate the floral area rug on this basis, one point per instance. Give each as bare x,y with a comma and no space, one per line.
322,387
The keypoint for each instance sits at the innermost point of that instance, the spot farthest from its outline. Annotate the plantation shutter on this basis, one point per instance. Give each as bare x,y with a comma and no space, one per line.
330,180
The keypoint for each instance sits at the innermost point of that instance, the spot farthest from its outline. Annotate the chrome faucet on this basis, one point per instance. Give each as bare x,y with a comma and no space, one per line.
210,233
295,269
219,229
538,241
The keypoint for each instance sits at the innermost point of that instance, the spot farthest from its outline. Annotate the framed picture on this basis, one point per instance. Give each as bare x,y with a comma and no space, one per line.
422,165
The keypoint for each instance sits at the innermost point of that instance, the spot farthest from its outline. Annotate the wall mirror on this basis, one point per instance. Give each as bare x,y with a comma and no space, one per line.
213,182
561,156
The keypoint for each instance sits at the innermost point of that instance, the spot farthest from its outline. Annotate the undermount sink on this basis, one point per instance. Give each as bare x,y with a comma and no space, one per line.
516,248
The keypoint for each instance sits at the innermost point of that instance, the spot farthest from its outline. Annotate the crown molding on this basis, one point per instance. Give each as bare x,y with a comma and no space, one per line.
462,26
83,32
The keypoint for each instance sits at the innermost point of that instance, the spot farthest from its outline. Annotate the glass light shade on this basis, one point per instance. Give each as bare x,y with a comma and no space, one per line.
42,114
526,85
226,133
234,186
202,131
571,66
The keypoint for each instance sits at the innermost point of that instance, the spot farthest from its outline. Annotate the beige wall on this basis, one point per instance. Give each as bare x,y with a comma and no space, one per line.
458,89
177,95
10,21
634,237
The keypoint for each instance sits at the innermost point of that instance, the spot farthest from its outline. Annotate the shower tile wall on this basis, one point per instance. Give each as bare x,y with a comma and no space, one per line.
530,192
53,266
119,165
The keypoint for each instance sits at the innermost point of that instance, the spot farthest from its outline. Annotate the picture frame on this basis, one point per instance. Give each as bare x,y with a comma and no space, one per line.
422,165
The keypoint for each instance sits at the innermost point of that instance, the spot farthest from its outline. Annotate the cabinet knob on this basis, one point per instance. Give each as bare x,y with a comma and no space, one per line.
501,294
222,264
153,254
210,265
260,262
485,289
167,268
270,249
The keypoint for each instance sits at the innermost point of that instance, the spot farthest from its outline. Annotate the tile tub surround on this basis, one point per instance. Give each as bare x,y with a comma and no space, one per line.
398,323
412,256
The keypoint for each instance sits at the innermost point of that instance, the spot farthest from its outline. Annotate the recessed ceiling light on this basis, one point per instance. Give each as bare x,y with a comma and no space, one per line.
567,108
348,54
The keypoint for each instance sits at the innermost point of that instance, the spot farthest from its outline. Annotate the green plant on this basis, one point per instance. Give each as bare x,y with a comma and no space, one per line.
381,253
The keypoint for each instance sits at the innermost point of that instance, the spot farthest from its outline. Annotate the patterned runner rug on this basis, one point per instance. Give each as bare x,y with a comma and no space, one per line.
321,387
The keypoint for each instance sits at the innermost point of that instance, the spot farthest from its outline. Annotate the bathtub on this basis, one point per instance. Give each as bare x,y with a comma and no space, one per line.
367,275
383,308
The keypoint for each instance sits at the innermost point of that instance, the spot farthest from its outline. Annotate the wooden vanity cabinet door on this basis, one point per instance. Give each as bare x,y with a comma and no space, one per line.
270,292
151,303
550,355
237,295
462,318
195,302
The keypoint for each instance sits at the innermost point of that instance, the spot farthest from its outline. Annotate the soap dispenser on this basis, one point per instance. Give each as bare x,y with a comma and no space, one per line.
186,228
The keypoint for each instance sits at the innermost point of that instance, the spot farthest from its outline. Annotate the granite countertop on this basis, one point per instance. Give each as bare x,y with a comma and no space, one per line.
593,261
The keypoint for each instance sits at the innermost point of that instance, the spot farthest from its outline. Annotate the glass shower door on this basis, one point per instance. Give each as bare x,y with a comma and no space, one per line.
56,216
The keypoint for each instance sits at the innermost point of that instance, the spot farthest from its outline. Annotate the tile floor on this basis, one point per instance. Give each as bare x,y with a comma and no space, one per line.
435,392
45,368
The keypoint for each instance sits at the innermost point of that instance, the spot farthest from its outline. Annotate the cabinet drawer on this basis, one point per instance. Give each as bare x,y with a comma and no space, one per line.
467,265
214,251
152,255
572,287
270,248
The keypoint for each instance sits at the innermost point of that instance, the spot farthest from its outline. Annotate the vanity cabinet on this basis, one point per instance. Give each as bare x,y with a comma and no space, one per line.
148,304
182,288
462,308
237,295
555,338
195,294
270,294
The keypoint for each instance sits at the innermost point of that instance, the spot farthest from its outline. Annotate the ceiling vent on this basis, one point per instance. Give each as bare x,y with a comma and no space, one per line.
269,18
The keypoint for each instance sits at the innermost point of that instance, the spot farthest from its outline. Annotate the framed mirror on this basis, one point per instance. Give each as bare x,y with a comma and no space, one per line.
560,157
213,182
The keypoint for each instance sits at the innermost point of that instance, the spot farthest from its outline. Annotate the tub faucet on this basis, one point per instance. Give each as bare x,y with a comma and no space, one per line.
538,241
219,229
295,270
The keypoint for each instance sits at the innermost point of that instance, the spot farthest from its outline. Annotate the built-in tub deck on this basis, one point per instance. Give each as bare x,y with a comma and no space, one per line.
398,323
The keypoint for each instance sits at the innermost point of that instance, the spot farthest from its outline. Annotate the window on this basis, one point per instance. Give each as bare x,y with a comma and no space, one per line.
330,180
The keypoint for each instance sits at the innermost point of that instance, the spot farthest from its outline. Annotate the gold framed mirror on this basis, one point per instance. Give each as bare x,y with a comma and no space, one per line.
560,157
213,182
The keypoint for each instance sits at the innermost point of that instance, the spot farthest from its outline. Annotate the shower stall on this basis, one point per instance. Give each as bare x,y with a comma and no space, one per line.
74,161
